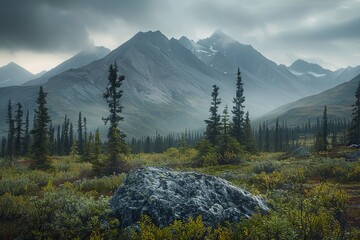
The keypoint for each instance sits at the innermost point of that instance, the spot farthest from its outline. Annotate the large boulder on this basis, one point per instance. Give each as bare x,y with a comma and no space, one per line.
166,196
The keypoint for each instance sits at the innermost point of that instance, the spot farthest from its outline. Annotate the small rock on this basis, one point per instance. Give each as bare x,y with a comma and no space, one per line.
166,196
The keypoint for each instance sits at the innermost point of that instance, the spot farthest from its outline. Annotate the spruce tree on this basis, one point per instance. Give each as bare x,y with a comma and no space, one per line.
250,142
325,129
52,139
238,110
97,145
26,139
18,129
354,129
11,132
40,146
3,147
225,137
277,136
116,139
267,139
71,136
213,123
80,140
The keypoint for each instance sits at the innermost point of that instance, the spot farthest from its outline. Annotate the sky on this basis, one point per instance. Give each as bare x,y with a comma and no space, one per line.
40,34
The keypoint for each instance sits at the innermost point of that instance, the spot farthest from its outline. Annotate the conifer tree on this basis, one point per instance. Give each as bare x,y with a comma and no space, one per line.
40,146
26,139
71,136
354,129
238,110
213,123
116,139
97,145
325,129
277,136
58,140
11,132
18,129
52,139
260,138
73,151
267,139
225,137
80,140
85,133
250,143
3,147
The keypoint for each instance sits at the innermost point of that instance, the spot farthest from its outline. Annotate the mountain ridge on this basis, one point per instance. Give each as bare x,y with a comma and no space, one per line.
78,60
13,74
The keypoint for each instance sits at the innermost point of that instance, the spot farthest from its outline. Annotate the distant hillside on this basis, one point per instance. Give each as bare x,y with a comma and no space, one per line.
301,67
14,75
319,78
79,60
339,101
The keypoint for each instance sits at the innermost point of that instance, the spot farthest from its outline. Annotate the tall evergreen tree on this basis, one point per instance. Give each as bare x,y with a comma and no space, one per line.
18,129
238,110
250,142
40,146
97,145
116,143
354,129
277,136
3,147
80,140
267,139
52,139
325,129
213,124
225,137
85,134
11,132
26,139
71,136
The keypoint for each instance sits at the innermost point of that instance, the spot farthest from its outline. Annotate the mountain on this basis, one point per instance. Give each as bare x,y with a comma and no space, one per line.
166,88
319,78
261,76
302,67
79,60
339,101
168,84
13,75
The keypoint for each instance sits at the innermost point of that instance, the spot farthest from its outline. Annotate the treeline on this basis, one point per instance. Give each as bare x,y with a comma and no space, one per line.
159,143
45,139
282,138
63,139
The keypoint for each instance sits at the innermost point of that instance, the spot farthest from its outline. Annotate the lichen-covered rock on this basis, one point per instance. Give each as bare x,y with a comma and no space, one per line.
166,195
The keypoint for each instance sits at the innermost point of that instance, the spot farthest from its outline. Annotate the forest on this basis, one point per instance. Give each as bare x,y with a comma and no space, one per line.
56,180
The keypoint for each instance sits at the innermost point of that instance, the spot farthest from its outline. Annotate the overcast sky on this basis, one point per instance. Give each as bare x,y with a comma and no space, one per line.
39,34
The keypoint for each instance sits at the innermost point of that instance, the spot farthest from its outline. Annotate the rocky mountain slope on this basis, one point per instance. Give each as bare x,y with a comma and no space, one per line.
79,60
13,75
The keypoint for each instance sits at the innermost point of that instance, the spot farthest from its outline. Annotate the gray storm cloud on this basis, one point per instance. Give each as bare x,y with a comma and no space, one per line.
68,25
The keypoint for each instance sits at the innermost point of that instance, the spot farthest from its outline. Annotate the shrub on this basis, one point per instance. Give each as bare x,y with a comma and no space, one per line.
266,167
104,185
